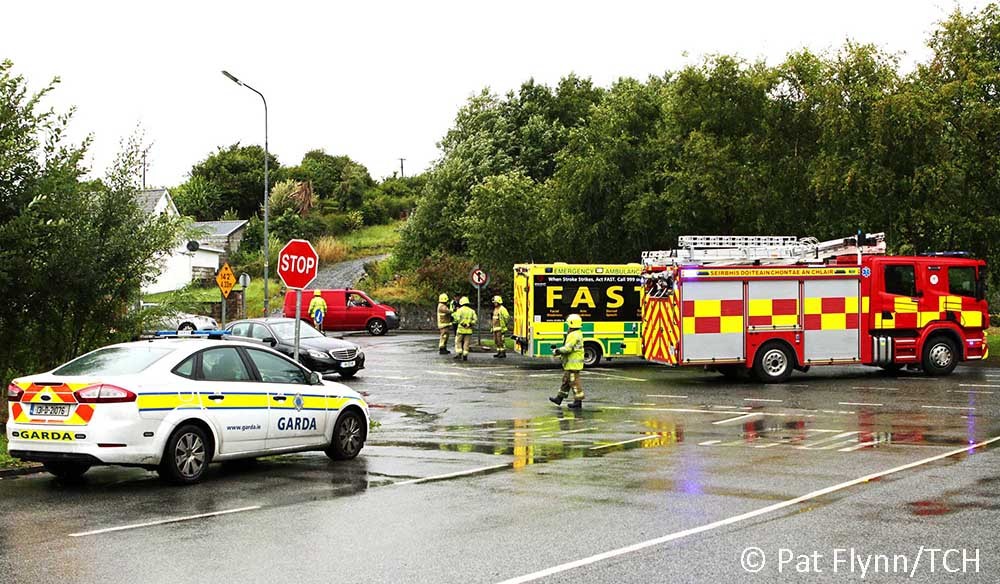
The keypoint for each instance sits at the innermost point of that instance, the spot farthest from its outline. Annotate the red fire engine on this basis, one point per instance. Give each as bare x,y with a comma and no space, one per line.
774,304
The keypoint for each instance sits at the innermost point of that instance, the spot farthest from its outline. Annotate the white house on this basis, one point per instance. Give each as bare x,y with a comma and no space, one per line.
180,266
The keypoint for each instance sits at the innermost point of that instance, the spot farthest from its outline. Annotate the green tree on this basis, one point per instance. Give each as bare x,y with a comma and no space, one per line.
57,228
198,198
506,222
334,177
236,173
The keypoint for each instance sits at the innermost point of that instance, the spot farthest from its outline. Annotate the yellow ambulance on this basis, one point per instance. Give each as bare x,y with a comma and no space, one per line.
607,296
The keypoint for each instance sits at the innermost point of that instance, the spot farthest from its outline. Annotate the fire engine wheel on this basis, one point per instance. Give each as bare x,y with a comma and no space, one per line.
591,354
940,356
774,363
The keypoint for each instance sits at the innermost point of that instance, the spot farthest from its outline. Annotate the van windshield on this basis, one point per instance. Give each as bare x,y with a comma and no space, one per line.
114,361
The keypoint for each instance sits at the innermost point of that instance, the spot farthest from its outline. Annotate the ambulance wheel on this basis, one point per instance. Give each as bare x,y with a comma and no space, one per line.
773,364
186,456
591,354
940,356
376,327
348,436
66,471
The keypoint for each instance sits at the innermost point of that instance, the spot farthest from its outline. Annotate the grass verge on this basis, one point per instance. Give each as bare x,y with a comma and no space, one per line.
372,240
6,461
184,299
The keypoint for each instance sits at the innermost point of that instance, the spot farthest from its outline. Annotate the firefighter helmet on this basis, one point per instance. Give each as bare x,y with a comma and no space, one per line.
574,321
443,298
316,293
463,301
497,300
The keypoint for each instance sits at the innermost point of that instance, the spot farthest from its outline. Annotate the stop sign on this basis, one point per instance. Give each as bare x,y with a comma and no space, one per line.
298,263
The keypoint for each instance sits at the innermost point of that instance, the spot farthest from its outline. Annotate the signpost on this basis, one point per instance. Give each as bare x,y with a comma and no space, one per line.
245,283
479,279
298,264
226,280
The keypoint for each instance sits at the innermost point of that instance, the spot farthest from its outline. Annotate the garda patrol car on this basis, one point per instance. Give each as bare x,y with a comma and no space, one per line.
178,404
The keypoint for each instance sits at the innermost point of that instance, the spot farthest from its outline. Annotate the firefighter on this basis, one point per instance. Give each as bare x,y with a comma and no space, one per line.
445,321
465,318
317,309
572,363
501,318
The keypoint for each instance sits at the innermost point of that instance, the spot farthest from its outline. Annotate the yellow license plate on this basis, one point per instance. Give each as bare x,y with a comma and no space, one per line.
44,435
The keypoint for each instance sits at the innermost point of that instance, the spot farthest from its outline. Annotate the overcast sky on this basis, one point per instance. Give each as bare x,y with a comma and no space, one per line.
380,80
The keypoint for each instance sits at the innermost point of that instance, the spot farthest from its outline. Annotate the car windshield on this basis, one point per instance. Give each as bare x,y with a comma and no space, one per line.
286,330
114,361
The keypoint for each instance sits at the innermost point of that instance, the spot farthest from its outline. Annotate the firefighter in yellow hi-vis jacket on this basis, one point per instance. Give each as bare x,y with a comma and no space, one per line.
501,319
317,310
444,323
466,318
572,363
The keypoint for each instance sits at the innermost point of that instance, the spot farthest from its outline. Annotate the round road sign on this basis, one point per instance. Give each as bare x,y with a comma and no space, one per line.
479,278
298,263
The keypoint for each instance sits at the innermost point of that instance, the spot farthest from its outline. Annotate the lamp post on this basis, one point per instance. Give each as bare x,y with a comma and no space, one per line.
267,300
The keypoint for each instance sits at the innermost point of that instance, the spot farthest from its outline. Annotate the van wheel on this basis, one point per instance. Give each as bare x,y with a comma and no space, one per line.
773,363
66,471
348,436
186,456
591,354
940,356
376,327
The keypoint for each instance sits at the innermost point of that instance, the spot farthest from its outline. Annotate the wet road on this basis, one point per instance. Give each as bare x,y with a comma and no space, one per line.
473,476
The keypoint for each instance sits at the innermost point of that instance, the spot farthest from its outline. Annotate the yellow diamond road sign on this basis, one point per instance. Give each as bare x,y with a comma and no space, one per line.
226,279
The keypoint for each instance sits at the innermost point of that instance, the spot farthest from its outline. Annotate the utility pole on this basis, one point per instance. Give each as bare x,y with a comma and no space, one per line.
401,175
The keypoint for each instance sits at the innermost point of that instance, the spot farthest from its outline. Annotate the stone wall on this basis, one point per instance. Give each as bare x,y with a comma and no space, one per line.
413,317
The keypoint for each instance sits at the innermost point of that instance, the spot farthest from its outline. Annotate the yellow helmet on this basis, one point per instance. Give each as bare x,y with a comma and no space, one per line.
463,301
443,298
574,321
497,300
316,293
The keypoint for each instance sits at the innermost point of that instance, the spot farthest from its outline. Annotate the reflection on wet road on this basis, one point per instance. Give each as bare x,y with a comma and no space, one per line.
472,455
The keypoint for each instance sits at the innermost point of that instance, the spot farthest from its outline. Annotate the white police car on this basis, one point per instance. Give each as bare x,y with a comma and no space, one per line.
177,404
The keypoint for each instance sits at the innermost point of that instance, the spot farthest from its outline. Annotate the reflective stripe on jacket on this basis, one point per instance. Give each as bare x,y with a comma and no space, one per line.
572,351
444,315
466,319
501,318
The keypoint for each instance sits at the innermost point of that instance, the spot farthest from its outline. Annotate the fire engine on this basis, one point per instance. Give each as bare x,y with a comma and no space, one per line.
608,297
771,304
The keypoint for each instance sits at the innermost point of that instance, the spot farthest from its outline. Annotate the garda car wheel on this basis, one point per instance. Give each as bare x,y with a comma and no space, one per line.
67,471
348,436
591,354
377,327
940,356
186,456
773,364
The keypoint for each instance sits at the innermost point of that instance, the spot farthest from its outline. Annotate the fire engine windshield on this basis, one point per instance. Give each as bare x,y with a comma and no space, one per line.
597,298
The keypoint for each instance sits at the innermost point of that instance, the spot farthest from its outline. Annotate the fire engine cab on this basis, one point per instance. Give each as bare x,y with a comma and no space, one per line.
774,304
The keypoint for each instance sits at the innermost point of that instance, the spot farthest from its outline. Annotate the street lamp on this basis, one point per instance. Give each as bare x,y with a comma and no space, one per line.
267,299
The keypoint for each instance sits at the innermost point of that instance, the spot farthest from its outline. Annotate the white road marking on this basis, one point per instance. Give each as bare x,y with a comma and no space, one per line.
858,404
744,416
450,475
693,411
969,391
858,446
709,442
643,404
879,388
813,445
575,431
731,407
974,385
760,399
651,437
165,521
397,377
948,407
768,445
736,518
449,373
666,395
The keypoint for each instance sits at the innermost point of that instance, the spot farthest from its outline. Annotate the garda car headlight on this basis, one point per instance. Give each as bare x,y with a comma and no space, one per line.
318,354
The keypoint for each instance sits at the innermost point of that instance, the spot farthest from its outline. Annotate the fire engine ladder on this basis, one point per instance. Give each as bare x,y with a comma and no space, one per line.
724,250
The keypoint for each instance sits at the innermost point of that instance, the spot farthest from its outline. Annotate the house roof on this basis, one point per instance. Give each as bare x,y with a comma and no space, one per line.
219,228
148,199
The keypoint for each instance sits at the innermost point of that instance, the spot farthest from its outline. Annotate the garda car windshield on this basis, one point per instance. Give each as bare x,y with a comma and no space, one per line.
114,361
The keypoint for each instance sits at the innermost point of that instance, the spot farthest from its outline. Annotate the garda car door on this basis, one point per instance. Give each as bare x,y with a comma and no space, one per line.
297,413
234,402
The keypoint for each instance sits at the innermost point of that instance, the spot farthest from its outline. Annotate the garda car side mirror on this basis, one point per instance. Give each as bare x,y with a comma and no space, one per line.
315,378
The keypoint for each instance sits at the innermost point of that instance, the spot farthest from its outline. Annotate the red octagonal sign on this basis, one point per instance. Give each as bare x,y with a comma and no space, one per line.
298,263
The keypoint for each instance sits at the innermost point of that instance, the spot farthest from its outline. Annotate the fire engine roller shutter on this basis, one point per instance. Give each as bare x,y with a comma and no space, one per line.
831,320
712,319
773,304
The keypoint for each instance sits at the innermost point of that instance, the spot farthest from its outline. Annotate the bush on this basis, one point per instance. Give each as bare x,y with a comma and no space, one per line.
445,273
330,250
355,220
